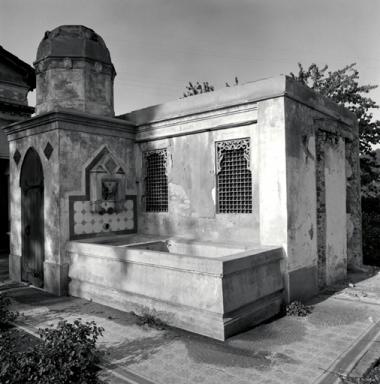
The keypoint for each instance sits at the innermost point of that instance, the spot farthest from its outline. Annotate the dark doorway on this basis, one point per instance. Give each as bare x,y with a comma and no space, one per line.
32,219
4,203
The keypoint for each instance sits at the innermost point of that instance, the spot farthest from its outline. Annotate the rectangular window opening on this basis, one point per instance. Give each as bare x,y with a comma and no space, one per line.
156,181
234,177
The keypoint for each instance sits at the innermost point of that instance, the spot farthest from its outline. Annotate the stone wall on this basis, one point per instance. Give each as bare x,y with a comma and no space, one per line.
335,198
75,85
353,196
192,189
299,178
302,247
272,172
66,143
51,201
299,144
77,150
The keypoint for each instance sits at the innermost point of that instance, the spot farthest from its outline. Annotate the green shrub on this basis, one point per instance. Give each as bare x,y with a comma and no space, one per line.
65,355
6,315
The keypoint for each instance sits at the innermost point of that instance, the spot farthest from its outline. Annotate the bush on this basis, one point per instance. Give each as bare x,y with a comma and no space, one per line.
65,355
150,320
5,314
296,308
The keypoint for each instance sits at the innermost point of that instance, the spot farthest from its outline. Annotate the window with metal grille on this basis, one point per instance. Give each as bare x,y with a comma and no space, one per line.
234,177
156,181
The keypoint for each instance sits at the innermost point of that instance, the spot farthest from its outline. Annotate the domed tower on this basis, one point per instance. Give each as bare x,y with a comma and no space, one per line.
74,71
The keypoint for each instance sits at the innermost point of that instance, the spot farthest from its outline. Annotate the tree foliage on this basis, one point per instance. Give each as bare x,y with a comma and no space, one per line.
342,86
204,87
198,88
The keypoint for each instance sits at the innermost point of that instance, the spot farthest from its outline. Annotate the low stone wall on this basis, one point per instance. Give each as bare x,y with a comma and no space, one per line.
213,296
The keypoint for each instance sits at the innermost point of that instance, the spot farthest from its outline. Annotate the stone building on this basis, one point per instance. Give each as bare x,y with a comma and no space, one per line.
17,78
211,211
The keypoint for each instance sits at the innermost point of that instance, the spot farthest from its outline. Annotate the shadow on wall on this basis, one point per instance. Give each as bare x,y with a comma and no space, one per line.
371,230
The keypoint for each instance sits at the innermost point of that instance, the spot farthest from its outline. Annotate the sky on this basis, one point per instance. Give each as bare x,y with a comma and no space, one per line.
158,46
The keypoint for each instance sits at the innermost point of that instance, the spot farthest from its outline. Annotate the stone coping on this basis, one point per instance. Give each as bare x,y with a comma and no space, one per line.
239,259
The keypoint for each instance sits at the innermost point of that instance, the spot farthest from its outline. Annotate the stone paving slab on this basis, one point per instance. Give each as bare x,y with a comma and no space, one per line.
287,350
368,360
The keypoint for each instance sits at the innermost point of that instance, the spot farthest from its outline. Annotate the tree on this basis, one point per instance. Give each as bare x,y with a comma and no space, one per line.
342,86
204,87
198,88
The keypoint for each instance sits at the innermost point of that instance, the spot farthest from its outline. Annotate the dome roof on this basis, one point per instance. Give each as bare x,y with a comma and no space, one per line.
73,41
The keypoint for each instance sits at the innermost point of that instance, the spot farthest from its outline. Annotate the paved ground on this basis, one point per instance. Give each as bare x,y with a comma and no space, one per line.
339,331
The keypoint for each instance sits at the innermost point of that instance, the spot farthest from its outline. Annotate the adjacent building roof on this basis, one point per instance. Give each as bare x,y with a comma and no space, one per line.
17,65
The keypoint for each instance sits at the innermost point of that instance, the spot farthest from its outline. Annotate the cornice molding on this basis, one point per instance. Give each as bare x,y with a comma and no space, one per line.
201,116
71,121
15,108
183,126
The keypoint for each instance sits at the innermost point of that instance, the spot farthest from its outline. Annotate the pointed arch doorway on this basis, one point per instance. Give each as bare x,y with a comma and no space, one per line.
32,219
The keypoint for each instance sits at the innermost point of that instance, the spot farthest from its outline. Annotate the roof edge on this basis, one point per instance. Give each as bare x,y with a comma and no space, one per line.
26,70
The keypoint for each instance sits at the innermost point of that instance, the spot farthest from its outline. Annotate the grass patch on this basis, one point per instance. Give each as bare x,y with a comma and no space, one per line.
150,320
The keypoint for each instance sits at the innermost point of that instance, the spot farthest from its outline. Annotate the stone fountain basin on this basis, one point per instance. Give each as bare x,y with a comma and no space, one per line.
213,289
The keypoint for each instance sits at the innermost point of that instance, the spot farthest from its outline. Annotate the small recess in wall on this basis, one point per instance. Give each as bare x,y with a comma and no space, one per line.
17,156
48,150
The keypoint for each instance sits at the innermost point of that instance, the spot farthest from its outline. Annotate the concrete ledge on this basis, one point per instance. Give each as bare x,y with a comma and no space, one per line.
188,318
107,254
208,295
254,313
70,120
206,323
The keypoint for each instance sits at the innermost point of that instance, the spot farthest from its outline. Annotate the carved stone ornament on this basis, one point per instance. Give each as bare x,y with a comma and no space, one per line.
67,63
229,145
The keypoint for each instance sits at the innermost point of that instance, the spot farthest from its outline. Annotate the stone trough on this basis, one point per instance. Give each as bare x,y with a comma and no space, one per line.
209,288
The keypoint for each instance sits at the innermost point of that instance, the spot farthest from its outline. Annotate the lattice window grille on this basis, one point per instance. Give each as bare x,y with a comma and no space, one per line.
156,181
234,177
